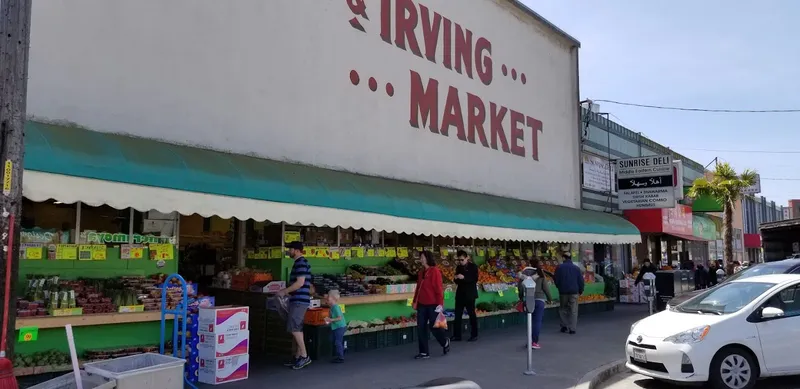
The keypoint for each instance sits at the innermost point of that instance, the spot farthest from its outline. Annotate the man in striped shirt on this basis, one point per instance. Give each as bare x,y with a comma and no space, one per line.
299,291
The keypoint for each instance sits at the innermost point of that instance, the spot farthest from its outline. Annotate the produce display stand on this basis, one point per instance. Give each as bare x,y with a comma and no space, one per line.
92,331
269,336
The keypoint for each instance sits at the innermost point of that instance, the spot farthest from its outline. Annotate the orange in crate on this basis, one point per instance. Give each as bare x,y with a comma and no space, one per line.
317,316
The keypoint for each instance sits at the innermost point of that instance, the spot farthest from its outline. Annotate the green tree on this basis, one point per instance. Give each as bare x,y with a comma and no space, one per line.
725,186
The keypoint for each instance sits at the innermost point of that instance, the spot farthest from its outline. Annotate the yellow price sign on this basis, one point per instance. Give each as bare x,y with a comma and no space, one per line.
335,254
444,252
35,252
481,252
67,251
291,236
410,302
137,252
381,253
501,252
98,252
391,252
370,253
517,253
529,253
342,307
402,252
500,293
358,252
162,251
492,252
8,171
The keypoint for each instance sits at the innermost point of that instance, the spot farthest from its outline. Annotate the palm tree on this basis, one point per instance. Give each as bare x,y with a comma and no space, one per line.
725,186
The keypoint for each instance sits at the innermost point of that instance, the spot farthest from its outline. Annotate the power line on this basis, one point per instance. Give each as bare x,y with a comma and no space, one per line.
744,151
699,109
780,179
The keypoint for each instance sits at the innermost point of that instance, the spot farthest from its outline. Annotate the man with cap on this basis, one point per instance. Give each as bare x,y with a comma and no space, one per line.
299,292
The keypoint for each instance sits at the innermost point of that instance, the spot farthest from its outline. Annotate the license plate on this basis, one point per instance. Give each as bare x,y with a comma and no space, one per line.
639,354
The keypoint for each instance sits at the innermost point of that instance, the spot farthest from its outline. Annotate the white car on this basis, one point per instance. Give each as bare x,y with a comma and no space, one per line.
730,335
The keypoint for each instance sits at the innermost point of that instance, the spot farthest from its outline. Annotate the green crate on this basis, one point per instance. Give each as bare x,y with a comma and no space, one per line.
407,335
366,341
489,323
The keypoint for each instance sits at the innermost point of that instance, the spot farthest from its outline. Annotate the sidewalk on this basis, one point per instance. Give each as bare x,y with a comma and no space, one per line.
496,361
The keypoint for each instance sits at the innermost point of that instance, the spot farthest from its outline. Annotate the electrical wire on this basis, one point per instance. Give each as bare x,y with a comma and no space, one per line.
698,109
744,151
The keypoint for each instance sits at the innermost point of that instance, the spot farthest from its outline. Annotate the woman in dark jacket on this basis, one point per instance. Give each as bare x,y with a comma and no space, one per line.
429,302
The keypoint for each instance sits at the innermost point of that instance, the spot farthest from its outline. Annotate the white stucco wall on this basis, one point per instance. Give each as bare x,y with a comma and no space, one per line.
273,79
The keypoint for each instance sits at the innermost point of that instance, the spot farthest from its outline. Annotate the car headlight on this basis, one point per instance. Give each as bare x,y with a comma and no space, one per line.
634,325
694,335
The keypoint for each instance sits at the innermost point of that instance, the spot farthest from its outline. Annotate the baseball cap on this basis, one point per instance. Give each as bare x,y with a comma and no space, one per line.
295,245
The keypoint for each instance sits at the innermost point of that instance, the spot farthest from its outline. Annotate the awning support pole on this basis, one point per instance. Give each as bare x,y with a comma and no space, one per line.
131,214
338,236
76,238
383,241
177,229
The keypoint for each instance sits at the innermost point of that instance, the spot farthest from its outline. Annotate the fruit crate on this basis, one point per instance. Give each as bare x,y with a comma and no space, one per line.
389,338
316,316
366,341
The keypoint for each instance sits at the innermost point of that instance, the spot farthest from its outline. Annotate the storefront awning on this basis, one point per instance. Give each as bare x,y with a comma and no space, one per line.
71,164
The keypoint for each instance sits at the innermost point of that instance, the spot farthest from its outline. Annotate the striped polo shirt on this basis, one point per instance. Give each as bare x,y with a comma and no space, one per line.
301,268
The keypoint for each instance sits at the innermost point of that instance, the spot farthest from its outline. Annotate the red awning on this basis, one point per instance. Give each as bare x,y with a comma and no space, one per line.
688,237
752,241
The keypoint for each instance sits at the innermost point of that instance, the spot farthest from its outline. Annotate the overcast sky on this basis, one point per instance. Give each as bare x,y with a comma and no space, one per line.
705,54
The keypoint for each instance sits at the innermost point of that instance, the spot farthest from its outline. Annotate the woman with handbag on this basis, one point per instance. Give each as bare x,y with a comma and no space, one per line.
429,303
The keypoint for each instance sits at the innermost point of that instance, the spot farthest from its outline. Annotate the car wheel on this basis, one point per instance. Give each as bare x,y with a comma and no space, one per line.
733,368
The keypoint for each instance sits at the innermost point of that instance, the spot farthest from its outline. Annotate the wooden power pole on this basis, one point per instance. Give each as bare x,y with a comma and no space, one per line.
15,36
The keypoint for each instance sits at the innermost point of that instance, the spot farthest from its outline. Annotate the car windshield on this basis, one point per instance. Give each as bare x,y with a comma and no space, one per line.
727,298
763,269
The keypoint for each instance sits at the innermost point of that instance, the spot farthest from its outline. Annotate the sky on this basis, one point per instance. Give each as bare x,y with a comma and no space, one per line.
698,54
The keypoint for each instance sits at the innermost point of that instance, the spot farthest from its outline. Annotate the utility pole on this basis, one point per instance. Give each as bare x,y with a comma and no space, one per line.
15,37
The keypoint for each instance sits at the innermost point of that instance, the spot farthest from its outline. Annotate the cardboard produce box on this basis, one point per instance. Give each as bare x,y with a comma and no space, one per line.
215,371
230,344
224,319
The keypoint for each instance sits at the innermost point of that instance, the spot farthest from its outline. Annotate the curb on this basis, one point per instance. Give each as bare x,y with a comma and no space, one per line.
594,378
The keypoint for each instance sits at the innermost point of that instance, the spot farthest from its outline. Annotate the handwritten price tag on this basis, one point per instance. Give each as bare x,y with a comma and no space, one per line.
342,307
500,293
410,302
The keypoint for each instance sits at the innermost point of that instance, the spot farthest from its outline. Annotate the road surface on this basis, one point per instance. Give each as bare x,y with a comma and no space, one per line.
628,380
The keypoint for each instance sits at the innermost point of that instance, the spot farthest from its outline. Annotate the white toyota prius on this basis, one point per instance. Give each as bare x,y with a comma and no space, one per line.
730,336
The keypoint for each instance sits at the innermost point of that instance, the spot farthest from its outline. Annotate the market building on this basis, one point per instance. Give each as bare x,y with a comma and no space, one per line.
373,133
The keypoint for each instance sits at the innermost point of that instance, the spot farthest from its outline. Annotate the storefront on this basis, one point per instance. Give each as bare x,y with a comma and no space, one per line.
752,243
667,235
297,150
704,228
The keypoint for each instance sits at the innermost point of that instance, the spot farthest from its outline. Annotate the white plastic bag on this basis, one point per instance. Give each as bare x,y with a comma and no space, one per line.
279,304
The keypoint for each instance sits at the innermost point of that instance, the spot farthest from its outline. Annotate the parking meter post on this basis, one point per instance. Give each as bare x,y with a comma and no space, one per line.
650,290
529,286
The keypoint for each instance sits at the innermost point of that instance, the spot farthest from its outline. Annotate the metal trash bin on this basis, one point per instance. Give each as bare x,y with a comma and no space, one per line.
147,370
67,381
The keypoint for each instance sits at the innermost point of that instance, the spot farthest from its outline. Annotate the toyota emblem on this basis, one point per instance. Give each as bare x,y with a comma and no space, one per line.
639,339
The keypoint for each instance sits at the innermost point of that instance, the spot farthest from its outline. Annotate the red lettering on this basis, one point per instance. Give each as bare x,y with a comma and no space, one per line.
476,115
496,120
536,128
404,26
430,32
425,103
463,46
483,60
447,48
517,134
386,21
453,115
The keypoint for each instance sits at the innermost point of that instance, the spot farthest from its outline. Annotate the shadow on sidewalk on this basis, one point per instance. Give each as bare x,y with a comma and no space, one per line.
497,360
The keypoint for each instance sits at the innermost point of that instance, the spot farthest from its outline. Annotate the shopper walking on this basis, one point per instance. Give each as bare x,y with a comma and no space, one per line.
299,291
429,302
542,297
466,279
569,281
700,278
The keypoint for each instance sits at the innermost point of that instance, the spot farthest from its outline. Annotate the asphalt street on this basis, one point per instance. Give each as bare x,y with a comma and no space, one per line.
629,380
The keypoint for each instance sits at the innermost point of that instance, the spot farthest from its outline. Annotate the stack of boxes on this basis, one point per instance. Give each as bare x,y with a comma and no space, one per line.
192,354
630,293
223,344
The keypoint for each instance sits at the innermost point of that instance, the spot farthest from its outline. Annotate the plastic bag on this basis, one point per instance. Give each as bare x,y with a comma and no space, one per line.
279,304
441,321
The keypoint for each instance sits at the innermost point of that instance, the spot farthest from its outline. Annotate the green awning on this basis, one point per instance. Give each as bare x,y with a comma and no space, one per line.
73,164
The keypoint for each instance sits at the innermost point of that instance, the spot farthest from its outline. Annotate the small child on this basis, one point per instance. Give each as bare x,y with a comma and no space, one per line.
338,325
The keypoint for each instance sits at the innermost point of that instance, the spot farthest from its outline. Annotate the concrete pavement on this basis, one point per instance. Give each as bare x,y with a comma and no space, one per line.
496,361
628,380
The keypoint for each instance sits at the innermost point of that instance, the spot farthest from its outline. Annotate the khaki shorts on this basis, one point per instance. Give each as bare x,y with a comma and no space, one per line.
295,317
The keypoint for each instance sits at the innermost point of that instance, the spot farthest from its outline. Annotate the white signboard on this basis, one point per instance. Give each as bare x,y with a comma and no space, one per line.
597,174
646,182
755,188
481,98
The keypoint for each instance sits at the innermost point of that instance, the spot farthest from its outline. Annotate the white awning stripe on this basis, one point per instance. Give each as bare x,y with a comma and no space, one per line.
39,186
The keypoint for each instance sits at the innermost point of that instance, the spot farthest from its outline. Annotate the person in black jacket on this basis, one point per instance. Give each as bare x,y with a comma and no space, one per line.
647,267
466,294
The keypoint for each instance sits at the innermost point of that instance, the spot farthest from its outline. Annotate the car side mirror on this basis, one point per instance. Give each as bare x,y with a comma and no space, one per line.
771,313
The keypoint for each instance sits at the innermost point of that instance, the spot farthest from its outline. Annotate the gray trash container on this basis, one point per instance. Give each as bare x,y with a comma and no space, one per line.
67,381
141,371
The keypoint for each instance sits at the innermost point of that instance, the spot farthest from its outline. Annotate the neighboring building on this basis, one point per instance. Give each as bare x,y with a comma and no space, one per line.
787,213
756,210
794,209
604,141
